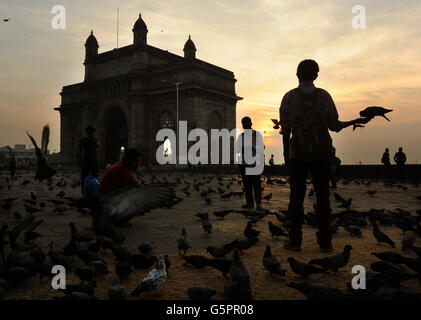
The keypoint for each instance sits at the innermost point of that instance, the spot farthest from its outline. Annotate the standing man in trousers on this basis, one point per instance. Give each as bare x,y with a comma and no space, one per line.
251,182
88,155
307,114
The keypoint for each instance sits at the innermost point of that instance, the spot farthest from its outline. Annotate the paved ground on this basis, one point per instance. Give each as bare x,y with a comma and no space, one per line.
163,227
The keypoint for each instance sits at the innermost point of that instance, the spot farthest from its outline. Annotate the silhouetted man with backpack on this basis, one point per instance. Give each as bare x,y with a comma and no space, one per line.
307,114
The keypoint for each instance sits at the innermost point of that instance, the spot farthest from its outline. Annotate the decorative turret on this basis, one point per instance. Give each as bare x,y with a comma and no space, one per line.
91,51
140,32
91,46
189,49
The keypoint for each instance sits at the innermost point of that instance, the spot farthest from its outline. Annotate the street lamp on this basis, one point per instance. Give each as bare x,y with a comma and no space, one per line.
177,84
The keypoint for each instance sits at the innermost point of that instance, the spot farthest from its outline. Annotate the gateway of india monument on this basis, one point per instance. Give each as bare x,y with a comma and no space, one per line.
129,93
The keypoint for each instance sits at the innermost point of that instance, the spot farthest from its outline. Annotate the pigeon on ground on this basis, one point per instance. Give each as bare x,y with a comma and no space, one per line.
346,204
304,269
223,213
271,264
153,281
117,292
380,235
145,247
202,215
123,269
200,293
335,262
183,242
88,288
207,226
267,197
196,261
142,261
390,256
338,197
238,270
382,266
238,290
249,232
276,231
316,291
220,264
85,273
354,231
417,251
245,244
77,236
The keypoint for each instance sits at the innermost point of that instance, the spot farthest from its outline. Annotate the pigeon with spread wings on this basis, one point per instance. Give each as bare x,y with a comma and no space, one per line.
119,206
44,171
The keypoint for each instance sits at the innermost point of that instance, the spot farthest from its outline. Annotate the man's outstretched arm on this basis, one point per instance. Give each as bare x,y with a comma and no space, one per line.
344,124
333,118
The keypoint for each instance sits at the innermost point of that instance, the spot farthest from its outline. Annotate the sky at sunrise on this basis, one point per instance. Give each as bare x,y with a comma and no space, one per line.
261,41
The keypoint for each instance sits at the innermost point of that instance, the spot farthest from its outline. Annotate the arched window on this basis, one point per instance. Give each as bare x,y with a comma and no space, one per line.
167,147
166,120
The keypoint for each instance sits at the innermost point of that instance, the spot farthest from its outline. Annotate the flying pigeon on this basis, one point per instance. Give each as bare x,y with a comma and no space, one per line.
44,171
123,204
277,123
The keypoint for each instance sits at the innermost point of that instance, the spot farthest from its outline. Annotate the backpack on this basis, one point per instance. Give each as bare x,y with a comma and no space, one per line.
310,141
90,186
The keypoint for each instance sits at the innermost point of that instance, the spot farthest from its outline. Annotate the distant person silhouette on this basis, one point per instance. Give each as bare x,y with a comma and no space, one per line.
12,164
307,114
271,161
400,160
251,183
386,163
88,155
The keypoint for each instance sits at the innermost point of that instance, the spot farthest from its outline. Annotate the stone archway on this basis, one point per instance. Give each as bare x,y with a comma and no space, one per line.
214,121
115,133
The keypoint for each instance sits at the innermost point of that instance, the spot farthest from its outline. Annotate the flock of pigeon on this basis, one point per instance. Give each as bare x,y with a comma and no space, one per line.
22,258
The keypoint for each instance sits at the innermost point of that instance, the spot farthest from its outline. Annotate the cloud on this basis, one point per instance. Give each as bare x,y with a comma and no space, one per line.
261,41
